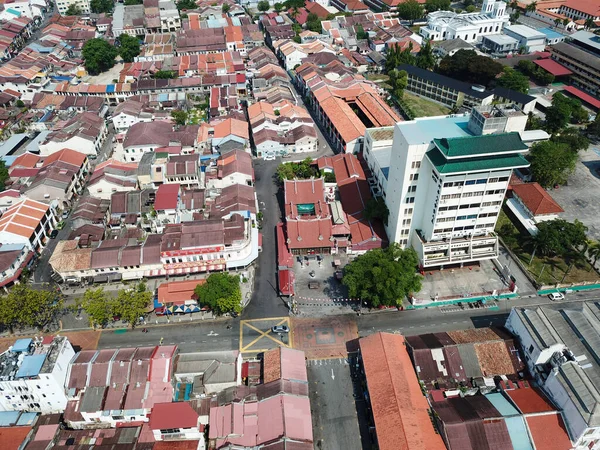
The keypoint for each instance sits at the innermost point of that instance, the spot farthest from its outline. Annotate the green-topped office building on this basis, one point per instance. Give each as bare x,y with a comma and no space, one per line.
446,180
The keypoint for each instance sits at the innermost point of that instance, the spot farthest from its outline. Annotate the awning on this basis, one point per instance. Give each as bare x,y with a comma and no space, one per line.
100,278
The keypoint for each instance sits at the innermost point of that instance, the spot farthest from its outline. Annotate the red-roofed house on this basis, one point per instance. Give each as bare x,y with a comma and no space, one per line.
400,410
175,420
308,220
28,222
13,438
234,167
530,400
354,193
166,202
230,134
549,431
531,204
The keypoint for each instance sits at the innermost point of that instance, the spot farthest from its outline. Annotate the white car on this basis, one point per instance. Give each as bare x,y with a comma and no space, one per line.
556,296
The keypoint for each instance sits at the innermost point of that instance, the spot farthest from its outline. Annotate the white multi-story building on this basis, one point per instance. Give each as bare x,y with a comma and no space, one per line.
63,5
446,179
33,373
560,344
470,27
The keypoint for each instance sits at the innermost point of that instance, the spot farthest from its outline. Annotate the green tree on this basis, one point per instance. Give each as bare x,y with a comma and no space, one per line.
165,74
179,116
559,238
131,304
313,23
471,9
221,293
129,47
279,7
383,276
263,6
186,5
573,138
376,209
410,10
468,66
302,170
30,307
133,2
593,250
551,162
398,81
532,7
557,115
533,122
594,127
98,55
225,8
3,174
101,6
19,103
514,80
360,32
437,5
589,23
98,305
425,58
73,10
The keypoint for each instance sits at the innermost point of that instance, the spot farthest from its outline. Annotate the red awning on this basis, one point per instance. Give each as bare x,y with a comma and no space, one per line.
286,282
592,101
556,69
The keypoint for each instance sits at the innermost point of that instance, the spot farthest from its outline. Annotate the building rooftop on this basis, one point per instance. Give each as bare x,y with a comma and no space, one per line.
400,410
425,130
525,31
445,166
536,199
166,416
465,147
30,359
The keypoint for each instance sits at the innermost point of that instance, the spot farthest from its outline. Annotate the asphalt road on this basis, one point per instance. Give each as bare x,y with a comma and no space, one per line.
191,337
265,298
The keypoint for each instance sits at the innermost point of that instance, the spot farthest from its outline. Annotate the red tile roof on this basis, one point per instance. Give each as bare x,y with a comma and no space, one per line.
591,7
536,199
173,415
167,196
549,65
530,400
583,96
400,410
11,438
549,431
67,155
177,292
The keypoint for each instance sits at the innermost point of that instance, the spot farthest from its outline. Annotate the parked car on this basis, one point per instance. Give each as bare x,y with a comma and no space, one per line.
280,329
556,296
53,234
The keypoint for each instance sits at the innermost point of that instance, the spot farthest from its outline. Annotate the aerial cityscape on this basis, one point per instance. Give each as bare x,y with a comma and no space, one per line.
299,224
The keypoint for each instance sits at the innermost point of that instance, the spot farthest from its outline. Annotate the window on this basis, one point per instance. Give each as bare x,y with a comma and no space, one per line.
530,349
469,182
410,200
412,189
416,164
414,176
408,211
481,181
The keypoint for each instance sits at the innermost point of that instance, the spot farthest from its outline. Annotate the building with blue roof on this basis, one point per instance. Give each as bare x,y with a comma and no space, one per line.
517,430
31,366
552,36
503,406
9,418
38,367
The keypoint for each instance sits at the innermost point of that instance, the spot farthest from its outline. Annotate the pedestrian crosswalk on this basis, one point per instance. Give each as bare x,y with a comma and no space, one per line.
327,362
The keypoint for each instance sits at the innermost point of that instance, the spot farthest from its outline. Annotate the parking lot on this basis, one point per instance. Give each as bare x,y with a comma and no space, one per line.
338,411
575,197
320,272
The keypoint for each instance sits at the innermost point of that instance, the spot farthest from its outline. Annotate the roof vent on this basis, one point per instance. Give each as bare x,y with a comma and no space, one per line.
299,238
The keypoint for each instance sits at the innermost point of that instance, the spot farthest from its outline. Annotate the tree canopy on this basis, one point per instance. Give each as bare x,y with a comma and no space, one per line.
3,175
558,237
313,23
98,306
73,10
437,5
552,162
376,209
165,74
398,82
425,59
383,277
129,47
468,66
225,8
573,138
99,55
180,117
594,127
263,6
186,5
101,6
25,306
395,57
410,10
130,304
514,80
221,292
301,170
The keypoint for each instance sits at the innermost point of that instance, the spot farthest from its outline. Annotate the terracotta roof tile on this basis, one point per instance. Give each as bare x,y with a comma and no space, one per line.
549,431
536,199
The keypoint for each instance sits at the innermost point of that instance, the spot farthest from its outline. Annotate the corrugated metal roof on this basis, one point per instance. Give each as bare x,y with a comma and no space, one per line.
518,433
502,405
469,360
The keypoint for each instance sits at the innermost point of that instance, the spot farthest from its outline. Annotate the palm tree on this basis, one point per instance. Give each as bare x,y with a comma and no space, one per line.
593,250
532,7
513,5
566,21
557,22
589,23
